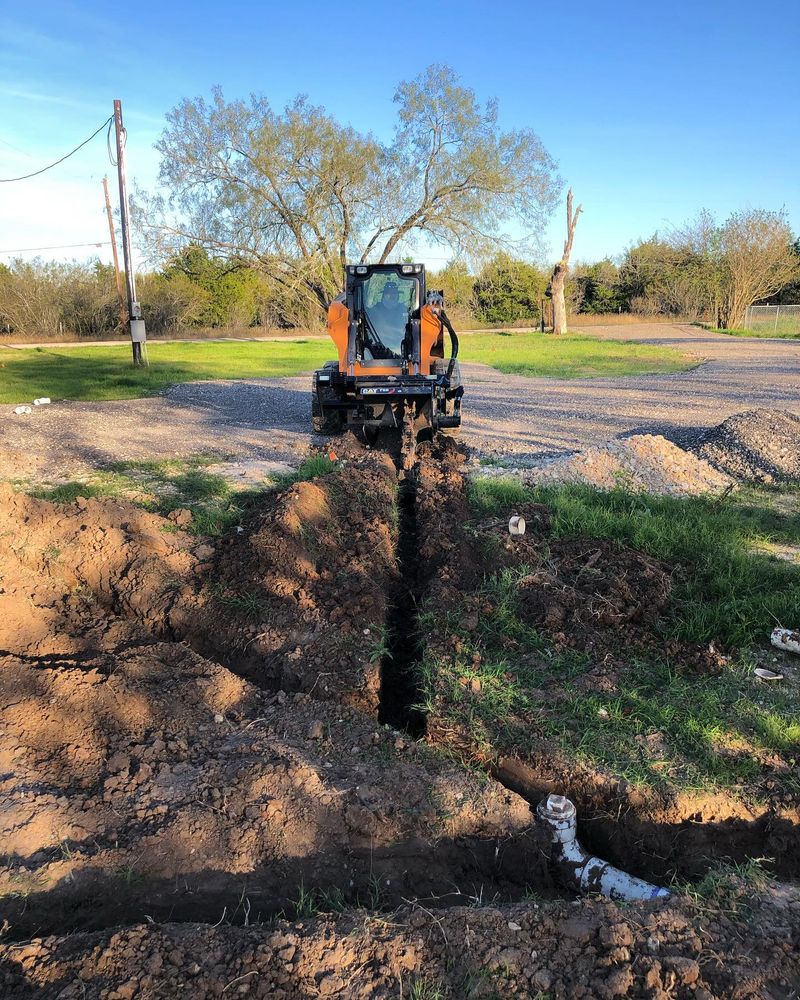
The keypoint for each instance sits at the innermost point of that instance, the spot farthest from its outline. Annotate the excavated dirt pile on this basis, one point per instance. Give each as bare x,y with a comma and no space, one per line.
595,951
130,761
298,600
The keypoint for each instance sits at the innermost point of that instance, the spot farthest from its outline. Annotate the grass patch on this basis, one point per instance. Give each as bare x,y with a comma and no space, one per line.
162,487
727,588
176,484
97,373
728,888
309,468
571,356
511,690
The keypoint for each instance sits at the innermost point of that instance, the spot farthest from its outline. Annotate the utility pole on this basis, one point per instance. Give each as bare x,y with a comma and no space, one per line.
123,316
138,334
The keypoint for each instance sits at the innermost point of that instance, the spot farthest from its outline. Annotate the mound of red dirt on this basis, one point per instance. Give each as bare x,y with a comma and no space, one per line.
129,760
298,599
596,951
586,591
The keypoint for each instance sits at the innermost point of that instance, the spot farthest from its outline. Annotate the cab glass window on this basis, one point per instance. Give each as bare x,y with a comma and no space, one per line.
388,301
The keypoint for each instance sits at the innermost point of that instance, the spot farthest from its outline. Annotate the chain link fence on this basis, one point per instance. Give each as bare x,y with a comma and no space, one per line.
773,321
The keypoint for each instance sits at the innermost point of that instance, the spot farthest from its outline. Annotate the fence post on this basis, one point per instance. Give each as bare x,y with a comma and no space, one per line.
777,314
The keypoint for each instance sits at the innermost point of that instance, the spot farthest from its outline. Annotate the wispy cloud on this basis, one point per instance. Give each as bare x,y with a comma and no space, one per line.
21,40
38,97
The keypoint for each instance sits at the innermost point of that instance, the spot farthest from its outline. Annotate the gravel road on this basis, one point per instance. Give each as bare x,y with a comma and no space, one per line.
269,419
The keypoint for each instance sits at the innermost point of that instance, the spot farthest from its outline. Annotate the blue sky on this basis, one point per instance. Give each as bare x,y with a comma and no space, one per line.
653,111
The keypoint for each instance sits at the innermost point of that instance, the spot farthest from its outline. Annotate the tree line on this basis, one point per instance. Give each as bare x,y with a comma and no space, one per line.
259,210
700,271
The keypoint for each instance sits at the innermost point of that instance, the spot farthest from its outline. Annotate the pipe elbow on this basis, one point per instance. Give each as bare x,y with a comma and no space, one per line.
584,871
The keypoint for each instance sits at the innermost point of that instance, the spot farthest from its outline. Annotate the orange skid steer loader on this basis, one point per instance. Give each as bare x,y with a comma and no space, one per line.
391,373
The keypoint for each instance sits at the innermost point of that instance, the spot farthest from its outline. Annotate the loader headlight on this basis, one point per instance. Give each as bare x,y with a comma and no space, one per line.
361,269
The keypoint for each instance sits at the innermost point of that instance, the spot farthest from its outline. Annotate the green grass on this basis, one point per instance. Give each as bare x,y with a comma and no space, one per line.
570,356
180,483
658,724
727,589
98,373
163,487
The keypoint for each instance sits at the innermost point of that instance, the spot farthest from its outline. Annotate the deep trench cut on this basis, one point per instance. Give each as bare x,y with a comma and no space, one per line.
400,687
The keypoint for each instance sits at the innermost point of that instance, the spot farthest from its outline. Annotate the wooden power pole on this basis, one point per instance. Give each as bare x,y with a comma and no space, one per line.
137,329
123,315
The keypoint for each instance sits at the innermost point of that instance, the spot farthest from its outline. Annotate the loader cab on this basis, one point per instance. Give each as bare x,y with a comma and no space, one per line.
383,304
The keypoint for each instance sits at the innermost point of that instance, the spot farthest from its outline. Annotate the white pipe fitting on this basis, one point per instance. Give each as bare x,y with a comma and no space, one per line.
785,638
588,873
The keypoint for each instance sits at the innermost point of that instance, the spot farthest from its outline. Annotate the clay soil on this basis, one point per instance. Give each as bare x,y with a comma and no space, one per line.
207,789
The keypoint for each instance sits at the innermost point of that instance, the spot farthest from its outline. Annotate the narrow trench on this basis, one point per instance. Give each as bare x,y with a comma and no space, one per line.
507,870
400,688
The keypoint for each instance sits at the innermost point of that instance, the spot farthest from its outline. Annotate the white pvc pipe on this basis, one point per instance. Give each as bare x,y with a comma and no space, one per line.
783,638
590,874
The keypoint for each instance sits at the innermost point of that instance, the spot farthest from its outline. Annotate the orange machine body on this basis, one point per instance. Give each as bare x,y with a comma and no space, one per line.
431,337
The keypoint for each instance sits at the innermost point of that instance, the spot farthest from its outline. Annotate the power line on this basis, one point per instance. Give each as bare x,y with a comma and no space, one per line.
9,180
64,246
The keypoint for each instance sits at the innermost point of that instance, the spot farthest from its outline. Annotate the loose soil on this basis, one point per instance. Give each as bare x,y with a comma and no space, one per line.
199,763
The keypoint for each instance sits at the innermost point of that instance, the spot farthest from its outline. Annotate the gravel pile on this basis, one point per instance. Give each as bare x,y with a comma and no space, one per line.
755,446
646,462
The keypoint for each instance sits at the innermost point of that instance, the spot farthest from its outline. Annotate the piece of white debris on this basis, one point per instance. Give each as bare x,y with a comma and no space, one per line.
20,410
602,713
41,401
767,675
513,927
786,638
219,718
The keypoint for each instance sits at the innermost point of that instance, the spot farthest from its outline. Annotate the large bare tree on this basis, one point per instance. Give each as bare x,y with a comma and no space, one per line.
296,194
558,279
758,259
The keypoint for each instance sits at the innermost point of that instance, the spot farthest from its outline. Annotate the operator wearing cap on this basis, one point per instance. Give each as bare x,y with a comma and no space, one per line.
390,315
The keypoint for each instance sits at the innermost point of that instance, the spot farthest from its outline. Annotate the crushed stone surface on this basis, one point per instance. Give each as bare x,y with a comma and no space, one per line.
754,446
643,462
504,415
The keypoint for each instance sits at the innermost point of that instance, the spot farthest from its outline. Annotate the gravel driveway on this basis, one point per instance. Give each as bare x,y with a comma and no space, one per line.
531,417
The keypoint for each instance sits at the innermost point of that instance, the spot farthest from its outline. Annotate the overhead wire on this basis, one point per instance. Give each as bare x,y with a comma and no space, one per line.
25,177
63,246
111,159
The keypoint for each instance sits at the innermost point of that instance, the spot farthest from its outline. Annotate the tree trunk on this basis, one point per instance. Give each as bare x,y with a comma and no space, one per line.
558,279
557,283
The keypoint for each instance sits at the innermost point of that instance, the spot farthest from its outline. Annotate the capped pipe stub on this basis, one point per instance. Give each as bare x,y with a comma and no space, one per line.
516,525
556,809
